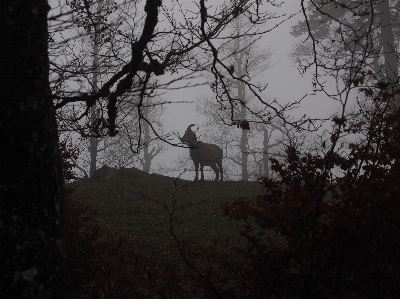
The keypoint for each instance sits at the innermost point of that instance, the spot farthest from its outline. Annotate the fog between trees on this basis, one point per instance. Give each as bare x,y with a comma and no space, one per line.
95,68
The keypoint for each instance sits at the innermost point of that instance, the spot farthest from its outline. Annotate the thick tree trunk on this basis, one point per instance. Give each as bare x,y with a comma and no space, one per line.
31,183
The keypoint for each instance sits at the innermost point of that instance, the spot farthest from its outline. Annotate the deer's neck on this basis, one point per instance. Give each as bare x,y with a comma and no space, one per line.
195,145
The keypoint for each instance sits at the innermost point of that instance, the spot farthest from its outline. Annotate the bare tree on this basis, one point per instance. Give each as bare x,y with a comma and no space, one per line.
246,61
150,150
345,38
153,52
96,69
262,155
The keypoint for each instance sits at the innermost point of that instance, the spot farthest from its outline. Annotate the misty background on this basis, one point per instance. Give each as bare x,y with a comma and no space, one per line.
284,82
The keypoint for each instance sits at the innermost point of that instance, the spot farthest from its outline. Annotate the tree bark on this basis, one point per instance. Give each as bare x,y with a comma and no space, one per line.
147,157
94,141
148,154
266,148
386,40
242,116
31,259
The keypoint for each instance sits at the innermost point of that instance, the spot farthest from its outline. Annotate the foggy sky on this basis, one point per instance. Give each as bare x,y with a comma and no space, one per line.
285,84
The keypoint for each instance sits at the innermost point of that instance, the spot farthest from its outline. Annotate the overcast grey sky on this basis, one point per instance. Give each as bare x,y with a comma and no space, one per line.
285,84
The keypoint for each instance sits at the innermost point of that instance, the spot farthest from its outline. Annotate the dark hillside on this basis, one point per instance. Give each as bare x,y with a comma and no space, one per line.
136,205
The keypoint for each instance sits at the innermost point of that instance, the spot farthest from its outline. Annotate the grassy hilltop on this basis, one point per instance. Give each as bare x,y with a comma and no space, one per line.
137,205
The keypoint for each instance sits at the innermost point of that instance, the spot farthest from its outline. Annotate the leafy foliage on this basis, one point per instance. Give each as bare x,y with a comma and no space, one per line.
330,227
67,153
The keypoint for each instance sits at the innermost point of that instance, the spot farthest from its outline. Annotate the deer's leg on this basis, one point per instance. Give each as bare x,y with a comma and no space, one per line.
216,170
196,168
201,171
220,170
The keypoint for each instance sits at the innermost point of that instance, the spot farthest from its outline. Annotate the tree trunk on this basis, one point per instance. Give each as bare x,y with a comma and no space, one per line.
93,144
386,40
266,153
242,116
148,154
31,180
243,149
93,117
147,157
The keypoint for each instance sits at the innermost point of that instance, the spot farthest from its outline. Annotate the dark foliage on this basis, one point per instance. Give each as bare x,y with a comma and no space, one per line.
68,152
330,228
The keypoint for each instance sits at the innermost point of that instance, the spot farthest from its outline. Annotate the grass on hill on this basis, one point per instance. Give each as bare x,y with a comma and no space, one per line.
138,206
